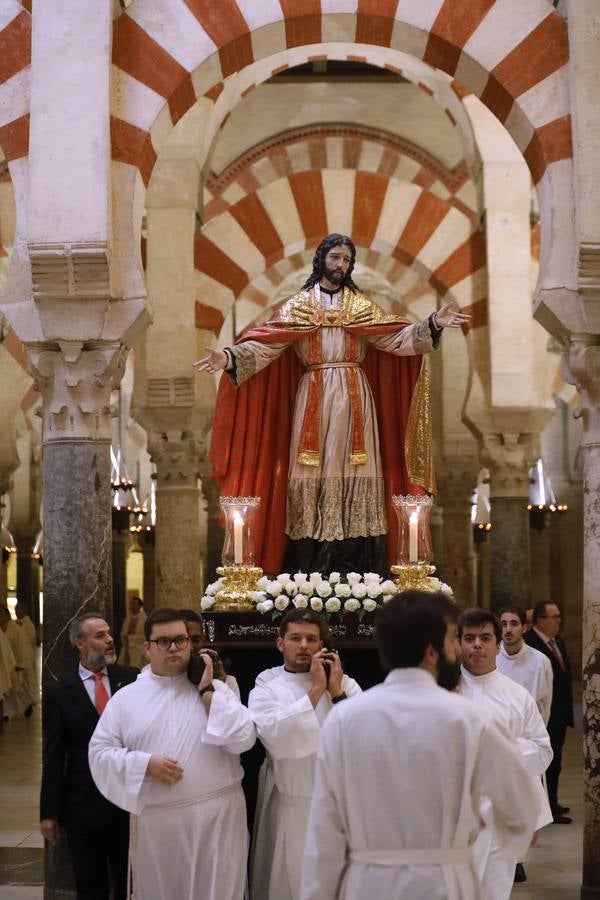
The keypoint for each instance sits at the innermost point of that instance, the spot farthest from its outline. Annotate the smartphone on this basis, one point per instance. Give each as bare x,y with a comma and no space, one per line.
195,669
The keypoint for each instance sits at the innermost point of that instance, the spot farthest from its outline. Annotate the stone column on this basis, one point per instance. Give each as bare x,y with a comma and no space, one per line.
119,584
178,457
75,383
25,573
458,478
581,367
215,534
509,457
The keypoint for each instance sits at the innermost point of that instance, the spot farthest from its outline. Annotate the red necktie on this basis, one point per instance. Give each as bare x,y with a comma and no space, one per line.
101,697
556,652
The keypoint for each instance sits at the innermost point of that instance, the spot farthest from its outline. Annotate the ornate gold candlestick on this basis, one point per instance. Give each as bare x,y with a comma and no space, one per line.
413,578
236,593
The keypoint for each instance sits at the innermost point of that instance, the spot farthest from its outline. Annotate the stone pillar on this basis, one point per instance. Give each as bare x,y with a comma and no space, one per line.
25,573
215,534
458,478
509,457
178,456
582,367
119,584
542,587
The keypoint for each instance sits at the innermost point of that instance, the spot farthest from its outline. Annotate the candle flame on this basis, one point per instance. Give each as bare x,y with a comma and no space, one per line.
414,517
238,518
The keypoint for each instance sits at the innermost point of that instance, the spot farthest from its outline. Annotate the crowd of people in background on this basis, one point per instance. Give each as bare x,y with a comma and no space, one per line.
429,785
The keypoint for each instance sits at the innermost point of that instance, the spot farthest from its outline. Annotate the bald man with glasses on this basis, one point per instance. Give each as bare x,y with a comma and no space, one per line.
168,752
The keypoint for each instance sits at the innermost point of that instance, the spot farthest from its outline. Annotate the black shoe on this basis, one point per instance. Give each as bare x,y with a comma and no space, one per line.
559,819
563,809
520,875
28,712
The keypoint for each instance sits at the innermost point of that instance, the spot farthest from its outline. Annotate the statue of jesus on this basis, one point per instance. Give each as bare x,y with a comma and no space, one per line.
324,415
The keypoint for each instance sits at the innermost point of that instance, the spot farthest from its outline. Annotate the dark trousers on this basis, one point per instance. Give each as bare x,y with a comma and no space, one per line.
99,858
556,732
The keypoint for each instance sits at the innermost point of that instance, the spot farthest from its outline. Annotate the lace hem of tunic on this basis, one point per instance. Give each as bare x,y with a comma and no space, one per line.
334,509
245,363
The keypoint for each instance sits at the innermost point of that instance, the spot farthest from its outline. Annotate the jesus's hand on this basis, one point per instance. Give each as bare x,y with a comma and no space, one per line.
165,770
212,362
450,317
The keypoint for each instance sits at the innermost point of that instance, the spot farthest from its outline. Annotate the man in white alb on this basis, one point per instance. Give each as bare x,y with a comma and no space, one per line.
402,770
168,751
524,664
514,709
289,705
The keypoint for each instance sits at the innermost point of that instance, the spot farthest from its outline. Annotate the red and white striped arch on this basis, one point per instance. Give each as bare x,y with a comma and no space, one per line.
15,82
334,146
401,222
511,53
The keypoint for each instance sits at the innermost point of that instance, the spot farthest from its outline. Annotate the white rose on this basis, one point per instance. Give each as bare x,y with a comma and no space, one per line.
369,605
315,577
316,603
274,589
446,589
290,588
207,602
435,583
282,603
299,578
333,605
300,602
343,590
388,587
265,607
258,596
374,590
213,588
285,576
334,578
353,578
387,597
324,589
371,578
359,591
306,589
262,583
351,605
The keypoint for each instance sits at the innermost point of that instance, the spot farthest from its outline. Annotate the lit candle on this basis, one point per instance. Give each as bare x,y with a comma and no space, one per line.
238,540
413,537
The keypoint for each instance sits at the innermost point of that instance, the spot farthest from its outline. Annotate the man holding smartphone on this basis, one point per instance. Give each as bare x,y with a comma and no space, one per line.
289,704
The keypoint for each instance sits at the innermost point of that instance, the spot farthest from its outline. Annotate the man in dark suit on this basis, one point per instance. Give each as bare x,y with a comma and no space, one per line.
543,635
97,832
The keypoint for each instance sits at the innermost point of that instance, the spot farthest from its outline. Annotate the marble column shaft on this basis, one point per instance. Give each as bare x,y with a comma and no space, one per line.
177,455
149,574
456,487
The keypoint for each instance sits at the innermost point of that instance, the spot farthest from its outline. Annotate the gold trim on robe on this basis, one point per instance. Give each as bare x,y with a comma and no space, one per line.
417,442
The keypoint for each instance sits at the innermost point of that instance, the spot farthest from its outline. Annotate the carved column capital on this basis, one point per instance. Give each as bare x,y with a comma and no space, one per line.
76,381
580,366
179,457
509,456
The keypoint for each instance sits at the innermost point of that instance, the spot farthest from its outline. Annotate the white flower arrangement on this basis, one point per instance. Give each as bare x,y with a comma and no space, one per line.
352,593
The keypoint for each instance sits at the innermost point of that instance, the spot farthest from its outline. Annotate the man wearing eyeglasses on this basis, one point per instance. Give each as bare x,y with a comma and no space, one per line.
544,636
168,751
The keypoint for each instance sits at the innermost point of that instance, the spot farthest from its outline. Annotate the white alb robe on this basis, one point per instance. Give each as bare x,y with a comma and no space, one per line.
531,669
290,729
400,775
19,697
30,675
188,840
8,674
514,709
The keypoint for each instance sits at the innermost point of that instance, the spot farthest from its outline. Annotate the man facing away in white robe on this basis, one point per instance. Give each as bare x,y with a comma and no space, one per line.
168,751
522,663
514,709
402,770
289,705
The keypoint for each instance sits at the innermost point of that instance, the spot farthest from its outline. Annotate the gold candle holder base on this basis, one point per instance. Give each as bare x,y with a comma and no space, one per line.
235,595
413,577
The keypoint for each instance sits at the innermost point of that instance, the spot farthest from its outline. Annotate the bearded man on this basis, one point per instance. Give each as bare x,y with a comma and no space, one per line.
330,416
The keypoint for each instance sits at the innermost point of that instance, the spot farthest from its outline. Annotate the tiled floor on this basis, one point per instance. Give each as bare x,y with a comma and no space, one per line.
553,867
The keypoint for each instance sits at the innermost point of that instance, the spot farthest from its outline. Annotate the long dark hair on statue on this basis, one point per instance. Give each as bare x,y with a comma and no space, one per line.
327,244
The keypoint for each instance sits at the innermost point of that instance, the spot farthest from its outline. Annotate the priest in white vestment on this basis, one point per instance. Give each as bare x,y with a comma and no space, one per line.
132,635
168,751
402,770
28,628
522,663
513,708
8,674
289,705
